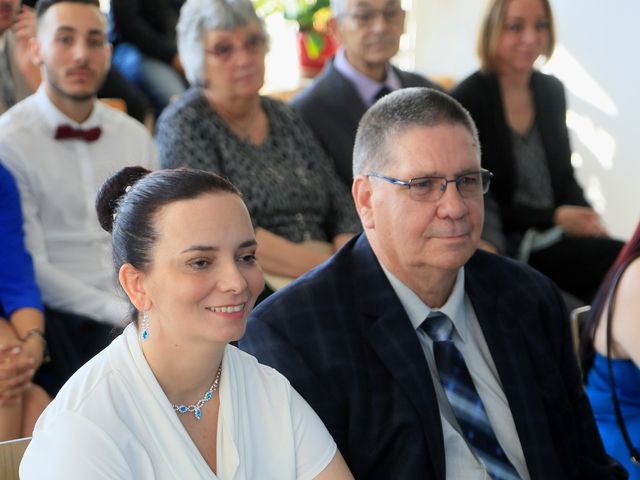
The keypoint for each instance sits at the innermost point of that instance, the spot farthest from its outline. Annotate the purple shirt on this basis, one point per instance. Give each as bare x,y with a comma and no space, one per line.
366,87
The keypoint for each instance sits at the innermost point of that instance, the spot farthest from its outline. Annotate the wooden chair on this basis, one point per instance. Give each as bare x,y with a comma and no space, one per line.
11,453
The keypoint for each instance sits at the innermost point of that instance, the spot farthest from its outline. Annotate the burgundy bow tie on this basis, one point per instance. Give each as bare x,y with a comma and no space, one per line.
67,131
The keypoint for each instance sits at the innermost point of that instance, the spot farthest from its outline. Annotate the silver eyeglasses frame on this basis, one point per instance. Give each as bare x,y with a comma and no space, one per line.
442,183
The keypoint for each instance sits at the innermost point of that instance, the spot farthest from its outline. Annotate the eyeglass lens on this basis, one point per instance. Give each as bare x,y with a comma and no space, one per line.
433,188
365,18
225,50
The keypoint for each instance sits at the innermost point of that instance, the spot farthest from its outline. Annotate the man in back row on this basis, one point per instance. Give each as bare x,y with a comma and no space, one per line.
61,144
369,32
425,357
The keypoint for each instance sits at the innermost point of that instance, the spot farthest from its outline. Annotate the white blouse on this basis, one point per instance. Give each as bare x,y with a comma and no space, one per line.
112,420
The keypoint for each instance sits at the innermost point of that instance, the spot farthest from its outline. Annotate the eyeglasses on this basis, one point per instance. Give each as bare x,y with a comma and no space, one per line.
365,18
223,51
431,189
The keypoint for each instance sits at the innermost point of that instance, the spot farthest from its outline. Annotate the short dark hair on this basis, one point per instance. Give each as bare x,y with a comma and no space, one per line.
43,5
129,200
396,112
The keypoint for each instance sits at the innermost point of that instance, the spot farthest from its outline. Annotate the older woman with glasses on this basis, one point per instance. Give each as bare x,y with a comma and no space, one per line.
520,113
223,125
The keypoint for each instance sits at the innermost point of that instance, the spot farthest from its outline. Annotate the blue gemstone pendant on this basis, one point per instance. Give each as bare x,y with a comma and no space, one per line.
145,334
196,408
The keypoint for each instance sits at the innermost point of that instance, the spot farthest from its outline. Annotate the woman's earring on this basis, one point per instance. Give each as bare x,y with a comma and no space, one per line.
144,334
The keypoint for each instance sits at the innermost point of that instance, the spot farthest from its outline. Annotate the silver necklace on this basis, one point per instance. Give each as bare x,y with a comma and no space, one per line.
197,407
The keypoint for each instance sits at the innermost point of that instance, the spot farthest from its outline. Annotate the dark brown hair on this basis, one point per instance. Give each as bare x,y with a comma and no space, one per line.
43,5
128,202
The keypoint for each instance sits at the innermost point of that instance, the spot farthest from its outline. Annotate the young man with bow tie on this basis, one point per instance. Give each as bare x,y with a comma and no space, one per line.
61,144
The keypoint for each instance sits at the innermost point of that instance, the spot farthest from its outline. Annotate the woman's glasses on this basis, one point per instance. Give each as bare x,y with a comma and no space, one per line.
223,51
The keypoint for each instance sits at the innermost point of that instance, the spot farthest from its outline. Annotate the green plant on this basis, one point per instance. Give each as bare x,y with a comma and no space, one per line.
310,15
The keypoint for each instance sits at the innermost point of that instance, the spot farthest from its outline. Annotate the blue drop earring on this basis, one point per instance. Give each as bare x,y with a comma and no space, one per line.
144,334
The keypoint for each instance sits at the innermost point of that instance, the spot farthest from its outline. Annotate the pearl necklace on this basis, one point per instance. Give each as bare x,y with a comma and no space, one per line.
197,407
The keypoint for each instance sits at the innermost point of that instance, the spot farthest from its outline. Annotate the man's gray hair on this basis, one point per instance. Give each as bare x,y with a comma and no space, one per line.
394,114
339,7
200,16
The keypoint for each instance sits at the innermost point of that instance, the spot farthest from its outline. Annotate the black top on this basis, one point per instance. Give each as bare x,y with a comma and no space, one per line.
150,25
480,94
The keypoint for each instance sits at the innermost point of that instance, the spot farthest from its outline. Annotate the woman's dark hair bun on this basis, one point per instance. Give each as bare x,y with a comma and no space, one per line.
109,195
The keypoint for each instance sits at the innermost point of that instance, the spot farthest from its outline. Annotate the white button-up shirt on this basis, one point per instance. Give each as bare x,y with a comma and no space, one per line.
58,181
461,463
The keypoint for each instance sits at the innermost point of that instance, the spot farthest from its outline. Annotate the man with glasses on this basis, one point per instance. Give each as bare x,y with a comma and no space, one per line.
369,32
425,357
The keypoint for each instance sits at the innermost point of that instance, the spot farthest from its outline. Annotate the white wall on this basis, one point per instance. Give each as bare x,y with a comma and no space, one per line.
602,85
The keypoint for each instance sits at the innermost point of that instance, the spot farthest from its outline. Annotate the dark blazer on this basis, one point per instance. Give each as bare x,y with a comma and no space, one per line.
332,107
480,94
341,336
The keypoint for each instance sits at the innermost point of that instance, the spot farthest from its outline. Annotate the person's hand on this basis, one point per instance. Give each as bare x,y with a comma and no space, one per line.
33,347
16,372
24,28
579,221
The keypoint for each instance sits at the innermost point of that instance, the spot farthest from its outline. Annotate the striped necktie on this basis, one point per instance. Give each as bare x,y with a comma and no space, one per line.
464,399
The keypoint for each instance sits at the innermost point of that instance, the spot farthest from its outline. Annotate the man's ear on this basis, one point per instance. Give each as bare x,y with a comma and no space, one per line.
333,26
34,50
132,281
362,197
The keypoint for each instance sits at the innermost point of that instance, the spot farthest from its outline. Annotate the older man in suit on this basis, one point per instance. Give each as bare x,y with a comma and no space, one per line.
425,357
369,32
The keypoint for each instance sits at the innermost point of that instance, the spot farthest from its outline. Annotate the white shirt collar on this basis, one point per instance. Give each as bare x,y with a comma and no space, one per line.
53,117
417,310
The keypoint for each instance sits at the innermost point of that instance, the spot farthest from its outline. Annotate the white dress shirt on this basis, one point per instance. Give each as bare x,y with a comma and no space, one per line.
461,462
112,420
58,181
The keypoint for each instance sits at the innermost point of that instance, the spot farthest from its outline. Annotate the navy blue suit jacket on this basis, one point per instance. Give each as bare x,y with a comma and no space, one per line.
343,339
332,107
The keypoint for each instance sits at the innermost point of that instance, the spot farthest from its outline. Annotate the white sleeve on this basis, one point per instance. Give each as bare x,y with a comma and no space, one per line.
60,290
315,448
71,447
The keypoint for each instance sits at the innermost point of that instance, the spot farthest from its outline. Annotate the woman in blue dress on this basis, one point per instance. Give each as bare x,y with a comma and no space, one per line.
21,322
622,299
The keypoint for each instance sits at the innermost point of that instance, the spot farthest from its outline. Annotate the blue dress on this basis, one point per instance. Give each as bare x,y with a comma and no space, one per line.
17,284
627,379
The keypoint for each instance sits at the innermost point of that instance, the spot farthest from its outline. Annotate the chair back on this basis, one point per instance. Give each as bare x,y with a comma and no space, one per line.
577,317
11,453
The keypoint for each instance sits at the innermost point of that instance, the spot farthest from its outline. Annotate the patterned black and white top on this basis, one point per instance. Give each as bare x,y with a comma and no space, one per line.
289,184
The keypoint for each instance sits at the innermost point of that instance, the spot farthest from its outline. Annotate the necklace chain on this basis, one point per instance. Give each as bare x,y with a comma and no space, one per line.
196,408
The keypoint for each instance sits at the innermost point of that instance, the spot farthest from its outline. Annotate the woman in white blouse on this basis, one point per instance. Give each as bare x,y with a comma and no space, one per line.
170,398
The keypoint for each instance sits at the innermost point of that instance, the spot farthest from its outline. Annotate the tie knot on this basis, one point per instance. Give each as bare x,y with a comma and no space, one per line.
438,326
382,92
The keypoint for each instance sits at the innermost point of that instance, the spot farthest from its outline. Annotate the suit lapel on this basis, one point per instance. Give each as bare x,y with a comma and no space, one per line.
394,340
342,94
503,332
